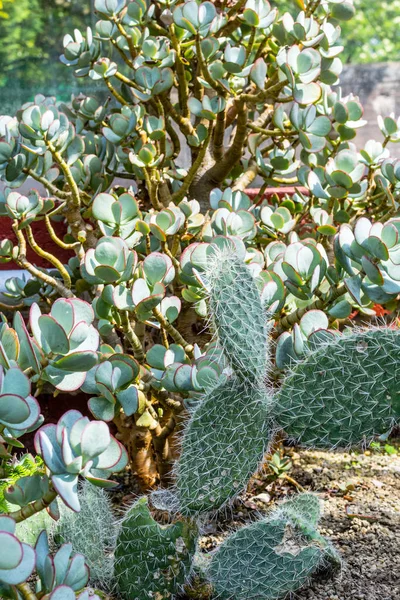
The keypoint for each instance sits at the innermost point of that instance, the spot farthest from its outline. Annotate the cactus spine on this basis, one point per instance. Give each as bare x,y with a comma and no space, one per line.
152,560
222,446
92,532
238,317
344,392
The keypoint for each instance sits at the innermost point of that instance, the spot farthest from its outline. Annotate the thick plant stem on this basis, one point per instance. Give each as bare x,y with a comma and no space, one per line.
138,443
47,256
184,189
218,137
174,333
132,338
26,591
152,190
25,264
164,459
75,194
247,177
184,123
180,71
34,507
210,177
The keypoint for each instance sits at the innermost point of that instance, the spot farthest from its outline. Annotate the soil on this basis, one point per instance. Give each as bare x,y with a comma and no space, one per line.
361,516
367,485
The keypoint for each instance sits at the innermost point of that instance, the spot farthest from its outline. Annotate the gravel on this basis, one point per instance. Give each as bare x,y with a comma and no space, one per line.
361,497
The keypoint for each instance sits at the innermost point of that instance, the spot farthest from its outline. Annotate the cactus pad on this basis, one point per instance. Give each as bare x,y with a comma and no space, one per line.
302,507
269,559
344,392
239,318
222,447
152,560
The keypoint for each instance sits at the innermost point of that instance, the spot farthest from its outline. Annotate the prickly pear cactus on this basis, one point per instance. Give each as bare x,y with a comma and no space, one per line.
305,507
273,557
152,560
228,433
344,392
223,446
239,319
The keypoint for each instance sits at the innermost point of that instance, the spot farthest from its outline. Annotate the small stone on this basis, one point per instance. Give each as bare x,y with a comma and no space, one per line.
264,498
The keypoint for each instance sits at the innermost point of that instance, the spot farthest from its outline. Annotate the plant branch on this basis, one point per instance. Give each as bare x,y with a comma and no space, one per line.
246,177
220,170
25,264
183,93
115,92
75,194
184,123
174,333
288,321
152,189
47,256
205,72
49,186
218,138
183,190
26,591
128,37
34,507
53,236
132,338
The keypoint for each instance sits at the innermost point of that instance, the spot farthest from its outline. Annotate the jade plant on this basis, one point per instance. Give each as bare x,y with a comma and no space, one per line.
197,316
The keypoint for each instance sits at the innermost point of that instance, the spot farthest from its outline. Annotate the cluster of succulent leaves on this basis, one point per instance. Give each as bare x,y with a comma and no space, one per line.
162,230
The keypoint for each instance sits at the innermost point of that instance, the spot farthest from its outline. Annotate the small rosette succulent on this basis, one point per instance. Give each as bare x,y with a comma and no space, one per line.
112,381
369,253
19,411
148,290
232,214
61,574
110,262
118,216
27,489
77,446
175,373
68,340
24,208
17,560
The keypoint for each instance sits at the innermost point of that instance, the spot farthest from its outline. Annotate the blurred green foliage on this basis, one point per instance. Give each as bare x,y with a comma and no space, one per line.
370,36
30,44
